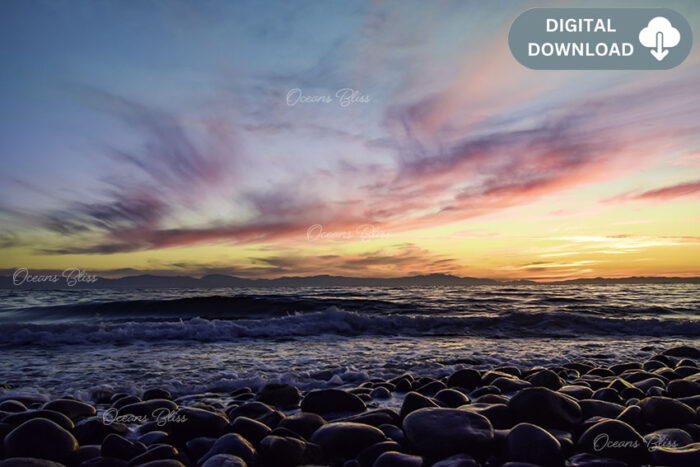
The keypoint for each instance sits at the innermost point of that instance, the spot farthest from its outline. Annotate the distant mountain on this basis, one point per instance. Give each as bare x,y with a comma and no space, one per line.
149,281
632,280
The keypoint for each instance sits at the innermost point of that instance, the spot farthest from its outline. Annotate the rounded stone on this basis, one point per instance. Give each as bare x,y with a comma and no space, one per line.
280,395
231,443
346,439
281,451
677,457
75,410
250,429
414,401
451,398
439,433
397,459
303,423
466,378
545,408
664,412
616,440
225,460
190,422
331,401
40,438
530,443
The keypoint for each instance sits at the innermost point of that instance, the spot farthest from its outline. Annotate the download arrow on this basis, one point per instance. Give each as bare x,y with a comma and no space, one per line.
659,53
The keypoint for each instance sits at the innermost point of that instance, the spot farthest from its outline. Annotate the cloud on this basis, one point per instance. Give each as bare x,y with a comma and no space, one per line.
648,35
661,194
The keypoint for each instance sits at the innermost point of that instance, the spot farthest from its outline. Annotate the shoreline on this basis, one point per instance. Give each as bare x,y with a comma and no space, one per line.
634,412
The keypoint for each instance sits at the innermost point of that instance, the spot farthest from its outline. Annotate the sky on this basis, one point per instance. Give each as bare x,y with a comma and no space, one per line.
190,138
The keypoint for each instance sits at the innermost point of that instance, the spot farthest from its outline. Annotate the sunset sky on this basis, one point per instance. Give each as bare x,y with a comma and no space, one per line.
157,137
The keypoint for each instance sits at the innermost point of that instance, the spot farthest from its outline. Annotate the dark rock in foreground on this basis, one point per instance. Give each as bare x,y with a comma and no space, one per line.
574,415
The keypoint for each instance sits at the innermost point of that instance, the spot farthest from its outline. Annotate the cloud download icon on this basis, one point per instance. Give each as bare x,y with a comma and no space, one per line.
659,34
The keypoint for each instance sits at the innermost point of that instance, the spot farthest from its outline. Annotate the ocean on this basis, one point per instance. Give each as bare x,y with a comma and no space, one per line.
77,342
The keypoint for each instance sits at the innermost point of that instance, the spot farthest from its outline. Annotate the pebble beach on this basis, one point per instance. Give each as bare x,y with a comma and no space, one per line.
576,414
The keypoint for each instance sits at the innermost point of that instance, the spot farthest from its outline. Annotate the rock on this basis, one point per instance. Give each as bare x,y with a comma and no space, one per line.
153,437
547,379
594,408
683,351
94,430
368,455
281,452
466,378
632,415
451,398
285,433
607,395
397,459
458,460
104,462
592,460
498,414
582,368
231,443
394,433
197,447
616,440
257,411
683,388
85,453
332,401
250,429
124,401
374,417
346,440
668,438
225,460
483,390
161,452
510,385
380,393
414,401
402,386
439,433
304,423
163,463
600,372
632,393
280,395
17,419
511,370
491,399
75,410
577,392
431,388
151,408
28,462
649,383
156,393
530,443
545,408
121,448
12,406
677,457
40,438
193,423
664,412
622,367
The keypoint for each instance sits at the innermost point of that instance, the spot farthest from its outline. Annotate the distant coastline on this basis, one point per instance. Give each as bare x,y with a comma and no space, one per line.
149,281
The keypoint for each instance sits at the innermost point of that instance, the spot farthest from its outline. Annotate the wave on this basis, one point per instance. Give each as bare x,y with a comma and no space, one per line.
208,307
339,322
